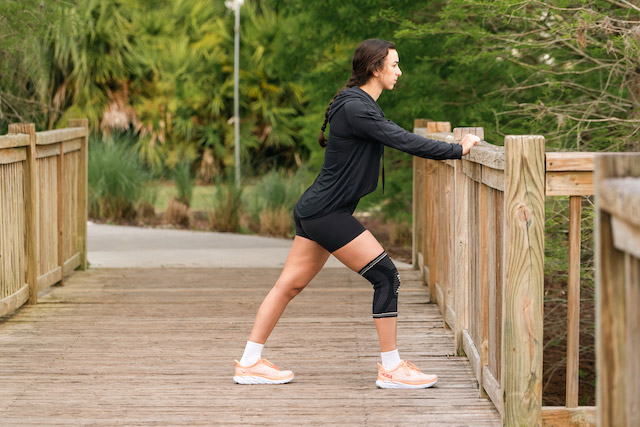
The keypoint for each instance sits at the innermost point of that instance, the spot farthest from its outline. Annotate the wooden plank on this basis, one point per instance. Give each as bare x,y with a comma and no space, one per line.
612,310
73,145
416,215
473,354
632,294
484,277
522,305
31,203
461,257
432,241
50,278
13,155
492,388
43,151
472,170
71,264
13,140
573,303
569,184
560,416
13,302
83,190
100,336
59,135
493,178
421,123
60,203
621,197
569,161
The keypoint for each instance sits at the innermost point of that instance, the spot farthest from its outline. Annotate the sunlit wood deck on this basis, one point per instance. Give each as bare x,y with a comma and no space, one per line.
156,347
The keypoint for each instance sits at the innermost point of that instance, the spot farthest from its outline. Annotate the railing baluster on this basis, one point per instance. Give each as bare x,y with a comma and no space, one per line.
573,303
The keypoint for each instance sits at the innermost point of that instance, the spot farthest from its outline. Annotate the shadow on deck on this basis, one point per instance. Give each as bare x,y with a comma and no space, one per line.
156,347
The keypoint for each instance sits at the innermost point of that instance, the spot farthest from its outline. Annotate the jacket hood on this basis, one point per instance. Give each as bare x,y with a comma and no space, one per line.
348,95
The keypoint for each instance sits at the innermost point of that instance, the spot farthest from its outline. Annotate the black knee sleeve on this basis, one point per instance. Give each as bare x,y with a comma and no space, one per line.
384,277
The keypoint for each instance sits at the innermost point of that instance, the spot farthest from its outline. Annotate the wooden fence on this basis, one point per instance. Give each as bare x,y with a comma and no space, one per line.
618,289
479,241
43,209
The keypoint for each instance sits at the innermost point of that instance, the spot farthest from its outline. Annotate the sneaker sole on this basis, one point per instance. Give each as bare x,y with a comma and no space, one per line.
246,379
395,384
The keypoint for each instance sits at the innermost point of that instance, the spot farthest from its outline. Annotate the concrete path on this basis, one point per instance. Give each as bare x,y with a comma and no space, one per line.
114,246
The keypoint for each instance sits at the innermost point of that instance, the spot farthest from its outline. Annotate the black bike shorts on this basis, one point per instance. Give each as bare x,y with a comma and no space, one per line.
331,231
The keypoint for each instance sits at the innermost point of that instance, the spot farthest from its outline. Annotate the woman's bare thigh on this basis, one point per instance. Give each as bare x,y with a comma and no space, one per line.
306,258
360,251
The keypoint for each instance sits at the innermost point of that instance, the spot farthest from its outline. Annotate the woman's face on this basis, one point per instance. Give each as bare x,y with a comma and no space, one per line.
388,75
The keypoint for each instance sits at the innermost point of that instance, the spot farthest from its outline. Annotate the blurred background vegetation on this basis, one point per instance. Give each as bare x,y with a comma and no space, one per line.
155,80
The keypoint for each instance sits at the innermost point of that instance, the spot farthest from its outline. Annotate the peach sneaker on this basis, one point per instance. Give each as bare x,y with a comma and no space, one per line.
405,375
261,372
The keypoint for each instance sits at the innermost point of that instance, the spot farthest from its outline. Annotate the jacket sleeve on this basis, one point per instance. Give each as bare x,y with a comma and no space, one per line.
369,124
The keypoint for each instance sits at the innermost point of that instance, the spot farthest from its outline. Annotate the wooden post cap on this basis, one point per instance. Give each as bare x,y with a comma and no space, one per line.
459,133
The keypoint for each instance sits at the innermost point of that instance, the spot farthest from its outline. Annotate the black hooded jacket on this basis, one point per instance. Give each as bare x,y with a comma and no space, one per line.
357,136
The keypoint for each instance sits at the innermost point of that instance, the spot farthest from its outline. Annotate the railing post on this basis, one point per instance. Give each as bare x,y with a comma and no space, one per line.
522,302
31,200
82,191
617,294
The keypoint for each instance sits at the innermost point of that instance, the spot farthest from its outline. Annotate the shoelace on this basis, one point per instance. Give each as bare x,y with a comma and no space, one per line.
269,364
408,367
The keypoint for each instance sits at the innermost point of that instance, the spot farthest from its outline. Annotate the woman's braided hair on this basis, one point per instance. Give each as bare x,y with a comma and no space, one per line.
368,57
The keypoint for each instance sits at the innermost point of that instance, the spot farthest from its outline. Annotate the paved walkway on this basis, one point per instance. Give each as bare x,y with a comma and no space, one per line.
112,246
154,346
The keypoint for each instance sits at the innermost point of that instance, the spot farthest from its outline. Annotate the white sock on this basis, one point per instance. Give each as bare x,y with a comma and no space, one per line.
252,353
390,359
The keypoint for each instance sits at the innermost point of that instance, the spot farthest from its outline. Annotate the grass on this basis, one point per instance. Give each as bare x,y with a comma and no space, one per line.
200,201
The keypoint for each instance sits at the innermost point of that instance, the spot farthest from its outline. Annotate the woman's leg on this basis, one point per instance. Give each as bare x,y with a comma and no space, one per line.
356,255
306,258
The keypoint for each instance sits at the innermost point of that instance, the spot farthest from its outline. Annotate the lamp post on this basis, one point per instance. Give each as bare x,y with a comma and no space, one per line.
235,6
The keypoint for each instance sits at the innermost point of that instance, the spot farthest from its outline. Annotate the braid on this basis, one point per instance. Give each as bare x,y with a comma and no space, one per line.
321,139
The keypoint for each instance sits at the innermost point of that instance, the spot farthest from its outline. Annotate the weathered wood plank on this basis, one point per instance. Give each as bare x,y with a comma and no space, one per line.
13,155
558,416
522,306
613,309
12,302
569,161
59,135
157,347
569,184
17,139
573,302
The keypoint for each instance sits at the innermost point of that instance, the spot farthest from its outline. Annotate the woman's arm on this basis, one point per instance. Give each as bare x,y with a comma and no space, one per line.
370,124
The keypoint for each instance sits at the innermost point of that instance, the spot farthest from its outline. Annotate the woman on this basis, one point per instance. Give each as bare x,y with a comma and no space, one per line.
324,221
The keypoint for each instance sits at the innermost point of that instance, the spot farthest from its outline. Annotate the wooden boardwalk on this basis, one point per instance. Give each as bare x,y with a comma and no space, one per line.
156,347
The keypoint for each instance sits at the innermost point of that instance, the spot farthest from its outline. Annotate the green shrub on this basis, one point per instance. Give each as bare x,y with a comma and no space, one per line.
270,203
184,180
227,201
117,179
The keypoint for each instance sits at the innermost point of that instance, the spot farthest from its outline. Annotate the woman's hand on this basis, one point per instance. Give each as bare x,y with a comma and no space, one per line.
467,142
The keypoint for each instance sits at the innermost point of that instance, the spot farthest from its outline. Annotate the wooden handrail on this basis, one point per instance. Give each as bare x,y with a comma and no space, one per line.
490,293
44,238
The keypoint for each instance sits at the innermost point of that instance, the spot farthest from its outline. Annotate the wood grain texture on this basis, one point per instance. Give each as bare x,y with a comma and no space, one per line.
14,139
59,135
617,340
30,213
524,280
560,416
156,347
569,183
569,161
573,302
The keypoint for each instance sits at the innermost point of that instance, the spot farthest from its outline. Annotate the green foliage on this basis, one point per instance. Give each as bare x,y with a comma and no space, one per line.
269,204
184,180
117,180
227,204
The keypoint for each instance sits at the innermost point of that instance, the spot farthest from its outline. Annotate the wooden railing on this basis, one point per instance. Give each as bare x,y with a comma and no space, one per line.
479,241
43,209
618,289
